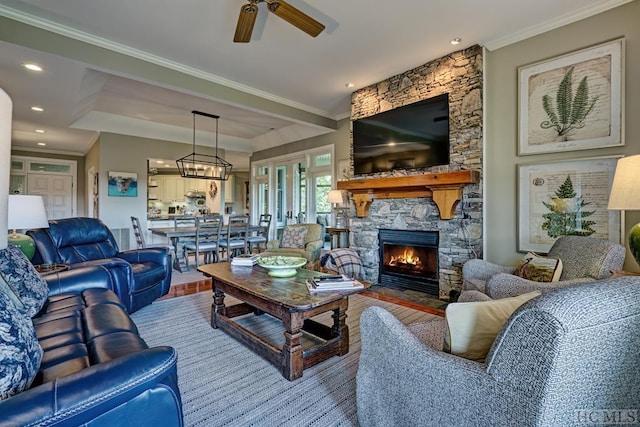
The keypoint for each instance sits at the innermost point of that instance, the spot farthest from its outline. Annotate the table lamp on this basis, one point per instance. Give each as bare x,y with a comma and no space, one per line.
625,195
24,213
335,197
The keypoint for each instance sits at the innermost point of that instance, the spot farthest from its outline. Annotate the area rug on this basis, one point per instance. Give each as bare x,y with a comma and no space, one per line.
223,383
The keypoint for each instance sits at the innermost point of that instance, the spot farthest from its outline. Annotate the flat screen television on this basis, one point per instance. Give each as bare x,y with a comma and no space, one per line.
408,137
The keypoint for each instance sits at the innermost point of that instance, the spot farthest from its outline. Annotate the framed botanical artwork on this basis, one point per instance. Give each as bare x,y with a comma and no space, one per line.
565,198
123,184
572,102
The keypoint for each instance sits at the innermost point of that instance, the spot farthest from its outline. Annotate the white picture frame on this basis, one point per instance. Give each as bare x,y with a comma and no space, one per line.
601,68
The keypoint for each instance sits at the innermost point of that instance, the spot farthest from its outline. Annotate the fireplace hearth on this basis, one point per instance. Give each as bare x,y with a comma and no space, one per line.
409,260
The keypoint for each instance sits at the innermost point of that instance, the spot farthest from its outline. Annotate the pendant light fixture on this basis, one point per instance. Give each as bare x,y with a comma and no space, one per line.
204,166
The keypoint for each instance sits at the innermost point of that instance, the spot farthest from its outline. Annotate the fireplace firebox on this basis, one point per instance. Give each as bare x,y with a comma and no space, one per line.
409,260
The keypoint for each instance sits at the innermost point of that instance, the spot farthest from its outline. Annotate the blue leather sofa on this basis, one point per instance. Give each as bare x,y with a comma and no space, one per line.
140,276
95,370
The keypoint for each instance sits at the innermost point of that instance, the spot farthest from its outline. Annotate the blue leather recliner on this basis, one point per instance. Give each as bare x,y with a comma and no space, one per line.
96,370
139,276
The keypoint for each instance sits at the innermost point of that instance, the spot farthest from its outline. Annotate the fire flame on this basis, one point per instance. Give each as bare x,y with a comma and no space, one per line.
407,258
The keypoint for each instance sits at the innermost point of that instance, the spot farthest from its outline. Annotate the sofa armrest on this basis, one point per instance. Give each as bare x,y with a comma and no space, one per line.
158,255
479,269
508,285
314,247
124,389
79,279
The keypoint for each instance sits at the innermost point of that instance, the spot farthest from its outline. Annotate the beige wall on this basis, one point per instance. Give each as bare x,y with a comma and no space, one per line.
124,153
502,109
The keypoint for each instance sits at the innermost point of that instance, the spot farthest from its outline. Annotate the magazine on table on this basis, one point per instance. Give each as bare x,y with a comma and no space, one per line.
333,283
245,260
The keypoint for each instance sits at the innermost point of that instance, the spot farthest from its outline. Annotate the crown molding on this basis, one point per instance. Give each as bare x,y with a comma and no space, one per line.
101,42
15,147
560,21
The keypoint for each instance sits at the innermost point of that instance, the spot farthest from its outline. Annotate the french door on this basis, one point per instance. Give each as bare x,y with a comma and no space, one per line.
292,188
290,193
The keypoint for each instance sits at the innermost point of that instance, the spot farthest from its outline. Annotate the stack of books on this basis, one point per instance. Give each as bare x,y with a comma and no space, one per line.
333,284
245,260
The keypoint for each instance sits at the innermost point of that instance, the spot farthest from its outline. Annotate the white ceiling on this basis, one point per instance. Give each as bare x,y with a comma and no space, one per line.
364,42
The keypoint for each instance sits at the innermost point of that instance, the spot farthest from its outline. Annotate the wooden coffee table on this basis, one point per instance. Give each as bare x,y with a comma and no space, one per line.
288,300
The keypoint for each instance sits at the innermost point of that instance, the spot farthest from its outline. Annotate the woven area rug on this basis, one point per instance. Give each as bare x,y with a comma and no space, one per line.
224,383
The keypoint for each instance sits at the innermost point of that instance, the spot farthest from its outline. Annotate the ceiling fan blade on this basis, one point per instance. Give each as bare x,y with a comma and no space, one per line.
246,20
295,17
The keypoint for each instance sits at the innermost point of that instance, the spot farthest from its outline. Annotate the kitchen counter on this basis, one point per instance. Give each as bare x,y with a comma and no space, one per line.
166,217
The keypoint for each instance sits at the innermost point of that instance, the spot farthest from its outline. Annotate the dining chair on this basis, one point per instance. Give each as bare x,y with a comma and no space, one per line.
261,236
235,242
184,221
207,240
140,242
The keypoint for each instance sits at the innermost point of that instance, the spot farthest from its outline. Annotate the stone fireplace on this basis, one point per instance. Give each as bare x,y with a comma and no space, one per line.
459,223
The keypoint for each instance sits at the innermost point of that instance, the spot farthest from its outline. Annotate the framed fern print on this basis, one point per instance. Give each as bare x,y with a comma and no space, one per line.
565,198
572,102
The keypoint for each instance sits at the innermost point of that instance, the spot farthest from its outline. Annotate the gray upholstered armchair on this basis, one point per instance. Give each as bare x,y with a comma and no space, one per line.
565,355
584,259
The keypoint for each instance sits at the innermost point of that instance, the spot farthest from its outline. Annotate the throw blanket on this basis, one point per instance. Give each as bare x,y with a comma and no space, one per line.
343,261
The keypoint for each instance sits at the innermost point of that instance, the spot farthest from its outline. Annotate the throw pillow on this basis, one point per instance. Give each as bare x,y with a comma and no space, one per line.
20,353
23,279
293,237
538,268
8,291
473,326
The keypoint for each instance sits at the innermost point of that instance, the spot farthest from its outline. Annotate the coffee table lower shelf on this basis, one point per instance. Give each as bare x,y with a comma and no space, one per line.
292,358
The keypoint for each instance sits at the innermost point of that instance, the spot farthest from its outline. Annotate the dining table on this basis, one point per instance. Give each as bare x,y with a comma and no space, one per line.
181,234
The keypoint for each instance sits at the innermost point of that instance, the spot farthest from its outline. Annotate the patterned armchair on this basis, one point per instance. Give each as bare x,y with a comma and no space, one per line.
562,357
300,240
584,259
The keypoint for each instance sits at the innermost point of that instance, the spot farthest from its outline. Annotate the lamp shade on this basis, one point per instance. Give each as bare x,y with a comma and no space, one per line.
625,195
334,196
625,191
26,212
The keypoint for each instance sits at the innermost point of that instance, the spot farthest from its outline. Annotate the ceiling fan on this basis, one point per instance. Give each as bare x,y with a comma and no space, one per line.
284,10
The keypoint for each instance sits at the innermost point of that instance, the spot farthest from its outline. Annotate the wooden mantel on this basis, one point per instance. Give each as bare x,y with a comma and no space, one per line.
444,188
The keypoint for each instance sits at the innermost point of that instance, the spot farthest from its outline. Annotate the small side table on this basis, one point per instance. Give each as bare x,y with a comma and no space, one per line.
45,269
334,235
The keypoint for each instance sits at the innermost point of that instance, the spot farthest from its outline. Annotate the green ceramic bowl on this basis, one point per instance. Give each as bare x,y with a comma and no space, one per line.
281,266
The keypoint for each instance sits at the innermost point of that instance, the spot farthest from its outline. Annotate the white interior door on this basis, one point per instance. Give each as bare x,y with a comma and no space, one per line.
56,192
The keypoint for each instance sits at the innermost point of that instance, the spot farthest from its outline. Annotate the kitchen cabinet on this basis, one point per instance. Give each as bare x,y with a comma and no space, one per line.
230,189
155,223
172,188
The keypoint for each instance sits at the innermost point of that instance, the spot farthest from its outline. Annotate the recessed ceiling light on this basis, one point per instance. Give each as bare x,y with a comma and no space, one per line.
348,85
39,130
38,109
457,40
32,67
42,144
160,162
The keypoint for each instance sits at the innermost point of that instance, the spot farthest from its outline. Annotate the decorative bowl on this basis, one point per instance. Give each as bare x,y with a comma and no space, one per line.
281,266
